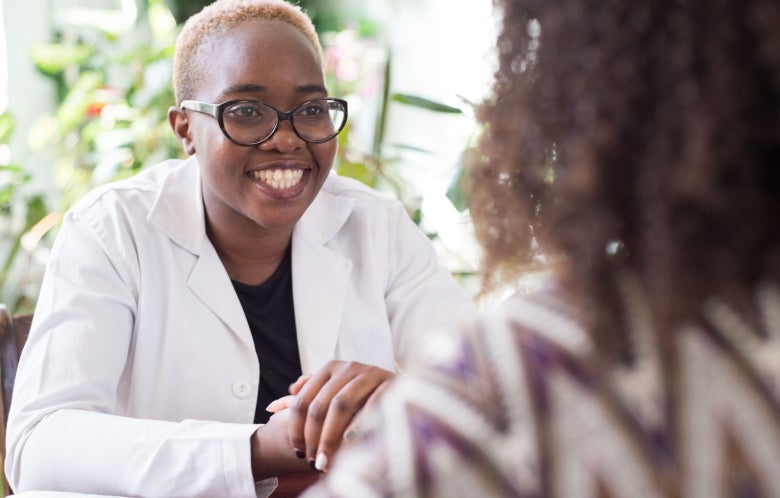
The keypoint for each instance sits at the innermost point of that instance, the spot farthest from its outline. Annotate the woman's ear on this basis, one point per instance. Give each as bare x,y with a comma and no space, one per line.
180,124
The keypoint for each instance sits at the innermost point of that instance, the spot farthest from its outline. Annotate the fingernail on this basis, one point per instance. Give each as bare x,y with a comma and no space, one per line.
299,454
322,462
311,464
350,435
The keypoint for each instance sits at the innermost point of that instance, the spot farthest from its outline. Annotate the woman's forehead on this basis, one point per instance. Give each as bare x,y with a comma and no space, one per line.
271,54
258,34
259,40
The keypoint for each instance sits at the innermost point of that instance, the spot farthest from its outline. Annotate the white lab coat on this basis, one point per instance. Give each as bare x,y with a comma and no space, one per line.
140,376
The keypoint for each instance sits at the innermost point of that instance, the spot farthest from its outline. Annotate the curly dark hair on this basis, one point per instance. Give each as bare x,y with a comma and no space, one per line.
634,136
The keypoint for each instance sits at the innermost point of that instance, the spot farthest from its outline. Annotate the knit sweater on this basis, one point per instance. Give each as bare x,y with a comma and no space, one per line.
518,404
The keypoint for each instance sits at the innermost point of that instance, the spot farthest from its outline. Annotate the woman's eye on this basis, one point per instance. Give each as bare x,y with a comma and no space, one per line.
244,110
313,110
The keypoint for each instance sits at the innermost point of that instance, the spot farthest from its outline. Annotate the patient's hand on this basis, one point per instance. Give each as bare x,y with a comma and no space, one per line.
323,405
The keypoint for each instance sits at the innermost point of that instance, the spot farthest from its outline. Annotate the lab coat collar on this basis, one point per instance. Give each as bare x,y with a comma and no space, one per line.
178,209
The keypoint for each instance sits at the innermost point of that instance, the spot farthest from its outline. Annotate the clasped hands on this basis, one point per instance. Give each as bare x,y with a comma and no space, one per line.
321,407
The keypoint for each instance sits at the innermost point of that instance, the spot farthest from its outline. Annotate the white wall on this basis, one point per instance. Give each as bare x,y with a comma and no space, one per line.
28,94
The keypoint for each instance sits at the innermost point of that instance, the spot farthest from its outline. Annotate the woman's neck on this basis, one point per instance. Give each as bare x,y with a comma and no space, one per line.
249,257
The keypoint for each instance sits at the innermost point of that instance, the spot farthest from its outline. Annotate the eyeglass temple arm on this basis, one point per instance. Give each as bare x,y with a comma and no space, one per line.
203,107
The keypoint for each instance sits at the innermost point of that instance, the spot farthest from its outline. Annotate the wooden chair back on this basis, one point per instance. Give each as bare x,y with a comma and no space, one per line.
13,334
14,330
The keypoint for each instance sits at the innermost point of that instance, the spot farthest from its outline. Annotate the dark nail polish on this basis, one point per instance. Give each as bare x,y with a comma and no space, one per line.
300,454
311,464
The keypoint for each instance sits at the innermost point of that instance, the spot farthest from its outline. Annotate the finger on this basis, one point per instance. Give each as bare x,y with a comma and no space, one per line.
296,386
319,397
279,404
348,391
377,393
343,406
299,407
353,430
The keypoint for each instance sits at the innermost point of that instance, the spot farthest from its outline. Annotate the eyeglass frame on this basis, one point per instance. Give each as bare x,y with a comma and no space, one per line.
217,111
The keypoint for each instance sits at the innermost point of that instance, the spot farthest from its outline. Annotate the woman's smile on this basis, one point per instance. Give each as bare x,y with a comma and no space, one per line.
280,183
279,178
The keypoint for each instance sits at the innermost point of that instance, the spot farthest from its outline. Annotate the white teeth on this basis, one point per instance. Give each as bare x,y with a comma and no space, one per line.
279,178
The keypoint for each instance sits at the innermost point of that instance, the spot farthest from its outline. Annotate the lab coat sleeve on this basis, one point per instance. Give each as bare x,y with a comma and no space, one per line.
421,294
64,432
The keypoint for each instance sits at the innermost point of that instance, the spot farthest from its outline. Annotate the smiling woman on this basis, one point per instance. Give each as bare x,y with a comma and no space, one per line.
250,256
233,204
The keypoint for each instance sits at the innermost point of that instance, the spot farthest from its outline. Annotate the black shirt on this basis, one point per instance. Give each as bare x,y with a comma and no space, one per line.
270,313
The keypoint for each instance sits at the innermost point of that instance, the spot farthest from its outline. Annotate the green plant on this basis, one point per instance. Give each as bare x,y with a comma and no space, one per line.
359,69
21,212
114,91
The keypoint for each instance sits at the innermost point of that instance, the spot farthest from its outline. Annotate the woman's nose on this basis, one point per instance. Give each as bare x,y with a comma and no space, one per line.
284,139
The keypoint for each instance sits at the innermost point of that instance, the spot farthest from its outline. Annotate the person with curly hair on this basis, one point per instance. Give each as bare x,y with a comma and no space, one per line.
180,305
631,148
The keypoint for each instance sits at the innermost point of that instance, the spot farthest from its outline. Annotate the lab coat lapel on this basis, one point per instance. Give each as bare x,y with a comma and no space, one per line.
210,282
320,279
178,212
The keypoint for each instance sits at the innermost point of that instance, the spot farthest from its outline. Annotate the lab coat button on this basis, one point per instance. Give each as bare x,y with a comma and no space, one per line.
241,389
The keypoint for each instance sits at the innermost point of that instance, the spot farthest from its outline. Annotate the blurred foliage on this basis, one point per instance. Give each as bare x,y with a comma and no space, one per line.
20,211
114,92
183,9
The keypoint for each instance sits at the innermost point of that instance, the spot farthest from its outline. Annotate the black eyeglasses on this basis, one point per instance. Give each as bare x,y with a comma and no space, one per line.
250,122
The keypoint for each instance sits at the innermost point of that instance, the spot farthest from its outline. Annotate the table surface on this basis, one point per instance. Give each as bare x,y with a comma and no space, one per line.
289,486
57,494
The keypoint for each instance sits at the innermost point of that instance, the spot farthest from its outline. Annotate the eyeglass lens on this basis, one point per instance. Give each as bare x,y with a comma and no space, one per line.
250,122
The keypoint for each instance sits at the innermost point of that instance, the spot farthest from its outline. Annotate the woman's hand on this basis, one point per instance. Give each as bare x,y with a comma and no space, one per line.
322,406
285,401
270,447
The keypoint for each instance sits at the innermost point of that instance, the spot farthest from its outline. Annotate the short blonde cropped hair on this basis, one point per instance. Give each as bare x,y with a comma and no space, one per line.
218,17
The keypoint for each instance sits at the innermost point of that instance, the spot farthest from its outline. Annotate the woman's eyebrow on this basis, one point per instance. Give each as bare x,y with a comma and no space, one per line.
255,88
311,88
243,88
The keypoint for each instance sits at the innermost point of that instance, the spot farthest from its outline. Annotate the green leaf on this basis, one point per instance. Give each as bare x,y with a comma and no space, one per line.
358,171
53,58
423,103
456,193
381,118
36,210
6,126
11,176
